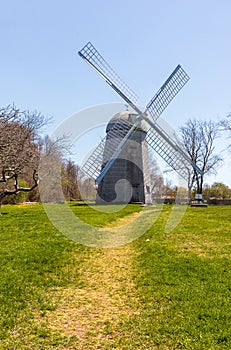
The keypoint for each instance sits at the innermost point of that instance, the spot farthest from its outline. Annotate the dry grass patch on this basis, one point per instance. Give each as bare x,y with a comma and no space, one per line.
94,313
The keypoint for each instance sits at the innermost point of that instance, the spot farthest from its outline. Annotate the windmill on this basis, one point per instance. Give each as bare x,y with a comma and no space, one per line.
137,127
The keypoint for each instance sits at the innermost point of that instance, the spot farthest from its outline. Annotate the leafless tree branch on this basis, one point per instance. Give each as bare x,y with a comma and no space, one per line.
199,139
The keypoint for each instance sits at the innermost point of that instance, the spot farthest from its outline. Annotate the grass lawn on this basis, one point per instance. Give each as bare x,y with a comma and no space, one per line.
166,290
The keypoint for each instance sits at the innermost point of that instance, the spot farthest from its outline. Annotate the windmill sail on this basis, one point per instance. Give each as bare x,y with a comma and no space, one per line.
167,92
158,139
103,156
97,62
93,165
169,151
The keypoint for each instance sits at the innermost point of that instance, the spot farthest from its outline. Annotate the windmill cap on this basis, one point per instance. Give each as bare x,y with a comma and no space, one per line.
126,117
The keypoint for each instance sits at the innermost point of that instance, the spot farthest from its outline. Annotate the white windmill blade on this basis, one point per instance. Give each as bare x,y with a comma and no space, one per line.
96,167
97,62
170,150
93,165
167,92
104,155
161,99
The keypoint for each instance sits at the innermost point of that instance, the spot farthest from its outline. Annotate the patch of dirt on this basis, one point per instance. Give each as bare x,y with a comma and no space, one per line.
122,221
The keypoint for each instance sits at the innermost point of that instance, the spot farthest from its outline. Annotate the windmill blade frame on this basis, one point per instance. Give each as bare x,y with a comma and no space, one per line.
167,92
173,153
98,63
166,146
101,159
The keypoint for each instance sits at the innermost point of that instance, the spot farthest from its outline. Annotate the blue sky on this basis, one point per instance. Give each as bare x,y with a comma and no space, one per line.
142,40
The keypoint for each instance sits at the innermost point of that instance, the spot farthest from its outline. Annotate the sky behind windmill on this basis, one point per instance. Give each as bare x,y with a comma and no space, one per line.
143,42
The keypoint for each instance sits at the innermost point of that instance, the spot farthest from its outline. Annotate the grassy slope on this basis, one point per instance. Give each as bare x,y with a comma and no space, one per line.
163,291
184,281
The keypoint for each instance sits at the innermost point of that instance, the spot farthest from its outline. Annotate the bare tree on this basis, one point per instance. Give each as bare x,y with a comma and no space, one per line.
225,125
19,148
199,139
156,178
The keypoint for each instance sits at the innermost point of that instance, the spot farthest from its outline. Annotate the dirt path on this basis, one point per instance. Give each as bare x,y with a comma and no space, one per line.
93,314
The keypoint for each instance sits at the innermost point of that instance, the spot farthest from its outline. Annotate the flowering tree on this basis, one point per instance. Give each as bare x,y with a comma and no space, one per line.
20,145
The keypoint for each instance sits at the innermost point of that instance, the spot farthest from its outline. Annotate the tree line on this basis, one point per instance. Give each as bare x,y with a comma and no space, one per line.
22,146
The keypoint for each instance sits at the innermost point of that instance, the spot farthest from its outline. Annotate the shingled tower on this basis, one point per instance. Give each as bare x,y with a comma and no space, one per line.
128,179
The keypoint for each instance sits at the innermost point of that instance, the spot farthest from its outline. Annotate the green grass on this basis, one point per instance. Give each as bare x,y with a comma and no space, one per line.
184,281
162,291
105,215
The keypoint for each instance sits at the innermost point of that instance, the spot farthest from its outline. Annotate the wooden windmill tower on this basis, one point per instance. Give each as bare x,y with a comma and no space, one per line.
128,178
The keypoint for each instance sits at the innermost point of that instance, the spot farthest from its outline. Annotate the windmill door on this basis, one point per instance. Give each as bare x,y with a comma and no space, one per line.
135,194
